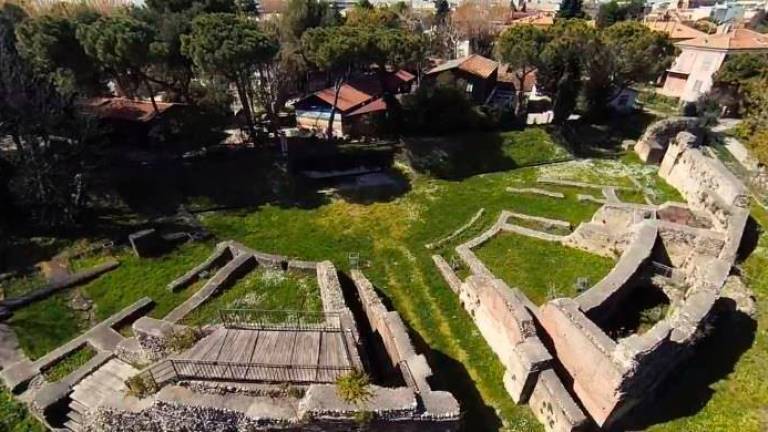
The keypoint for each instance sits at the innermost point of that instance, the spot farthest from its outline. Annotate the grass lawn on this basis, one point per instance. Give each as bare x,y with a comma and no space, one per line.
263,289
459,156
14,417
17,287
69,364
47,324
390,236
659,103
541,269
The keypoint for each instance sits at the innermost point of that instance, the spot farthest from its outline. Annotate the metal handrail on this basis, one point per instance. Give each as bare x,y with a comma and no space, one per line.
257,372
273,319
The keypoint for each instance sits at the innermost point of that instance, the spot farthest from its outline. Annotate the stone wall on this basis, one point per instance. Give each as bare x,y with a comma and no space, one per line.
603,299
437,405
652,145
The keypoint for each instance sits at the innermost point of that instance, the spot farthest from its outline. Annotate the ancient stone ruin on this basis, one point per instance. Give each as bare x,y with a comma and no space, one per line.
252,371
584,361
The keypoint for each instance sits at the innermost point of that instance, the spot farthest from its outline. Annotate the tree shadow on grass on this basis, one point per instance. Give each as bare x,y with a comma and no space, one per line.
449,374
689,388
458,157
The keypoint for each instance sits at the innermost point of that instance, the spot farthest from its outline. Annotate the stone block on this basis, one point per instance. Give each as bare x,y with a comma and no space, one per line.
553,405
146,243
523,366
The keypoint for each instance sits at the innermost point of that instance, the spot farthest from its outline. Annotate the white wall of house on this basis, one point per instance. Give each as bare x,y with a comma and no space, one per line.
700,66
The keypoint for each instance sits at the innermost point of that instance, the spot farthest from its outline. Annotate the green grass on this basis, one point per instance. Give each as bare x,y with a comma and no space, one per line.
459,156
19,286
14,417
46,324
541,269
265,290
658,102
390,237
69,364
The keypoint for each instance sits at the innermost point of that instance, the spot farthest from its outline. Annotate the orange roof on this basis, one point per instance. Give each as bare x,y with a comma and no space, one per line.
675,30
351,94
474,64
508,76
376,105
125,109
739,39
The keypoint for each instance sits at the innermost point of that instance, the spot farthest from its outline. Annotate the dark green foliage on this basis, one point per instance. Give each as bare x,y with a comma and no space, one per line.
200,6
230,48
521,48
49,42
48,180
441,109
613,11
570,9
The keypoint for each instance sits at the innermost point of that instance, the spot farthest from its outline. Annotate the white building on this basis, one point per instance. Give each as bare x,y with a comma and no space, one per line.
692,73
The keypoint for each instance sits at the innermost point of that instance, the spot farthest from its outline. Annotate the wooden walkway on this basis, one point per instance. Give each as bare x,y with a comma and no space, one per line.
268,355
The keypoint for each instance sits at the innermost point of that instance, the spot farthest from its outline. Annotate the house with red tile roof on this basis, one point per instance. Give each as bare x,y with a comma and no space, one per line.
486,81
360,102
692,73
675,30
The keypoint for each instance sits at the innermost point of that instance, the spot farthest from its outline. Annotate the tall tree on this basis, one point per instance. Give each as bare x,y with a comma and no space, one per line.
613,11
48,136
49,42
561,67
624,54
122,45
232,47
571,9
338,51
521,47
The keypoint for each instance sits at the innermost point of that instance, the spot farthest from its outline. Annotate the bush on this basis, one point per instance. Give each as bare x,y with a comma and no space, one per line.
442,109
141,385
354,387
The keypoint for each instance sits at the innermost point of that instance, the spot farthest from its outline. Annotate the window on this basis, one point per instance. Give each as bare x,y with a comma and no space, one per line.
470,86
707,64
697,86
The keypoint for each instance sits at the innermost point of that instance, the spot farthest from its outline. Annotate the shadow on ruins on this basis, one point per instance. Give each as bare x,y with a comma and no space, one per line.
689,389
449,374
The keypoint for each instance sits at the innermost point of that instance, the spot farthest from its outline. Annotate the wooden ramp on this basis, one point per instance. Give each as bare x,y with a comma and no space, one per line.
268,355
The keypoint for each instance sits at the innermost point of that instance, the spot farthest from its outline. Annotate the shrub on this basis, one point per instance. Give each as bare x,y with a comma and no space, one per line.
182,340
141,385
354,387
441,109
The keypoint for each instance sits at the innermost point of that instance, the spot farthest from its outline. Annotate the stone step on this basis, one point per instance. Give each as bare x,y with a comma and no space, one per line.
75,416
73,426
77,406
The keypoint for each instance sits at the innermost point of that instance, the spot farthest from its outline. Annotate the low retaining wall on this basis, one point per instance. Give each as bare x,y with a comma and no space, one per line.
437,405
220,256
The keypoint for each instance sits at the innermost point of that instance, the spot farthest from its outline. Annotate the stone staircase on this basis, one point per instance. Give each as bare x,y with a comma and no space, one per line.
501,98
107,382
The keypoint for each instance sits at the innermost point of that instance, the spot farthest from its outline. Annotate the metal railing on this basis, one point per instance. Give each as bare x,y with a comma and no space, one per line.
256,319
257,372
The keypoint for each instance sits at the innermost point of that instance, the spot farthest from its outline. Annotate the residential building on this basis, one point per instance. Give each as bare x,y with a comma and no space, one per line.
360,104
475,74
692,73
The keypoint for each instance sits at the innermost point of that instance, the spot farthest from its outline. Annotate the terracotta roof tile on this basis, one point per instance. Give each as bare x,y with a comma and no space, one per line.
474,64
675,30
375,105
739,39
124,109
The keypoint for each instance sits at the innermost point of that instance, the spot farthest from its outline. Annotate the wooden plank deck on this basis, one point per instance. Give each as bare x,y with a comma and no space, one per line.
261,354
